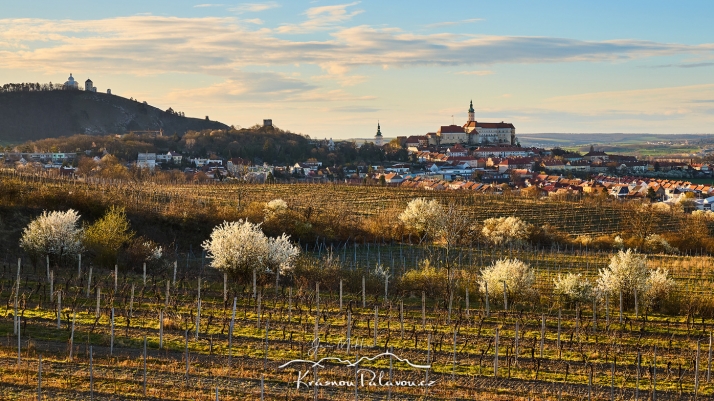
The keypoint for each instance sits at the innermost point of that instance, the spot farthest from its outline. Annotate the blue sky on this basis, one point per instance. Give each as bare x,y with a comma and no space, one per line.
332,69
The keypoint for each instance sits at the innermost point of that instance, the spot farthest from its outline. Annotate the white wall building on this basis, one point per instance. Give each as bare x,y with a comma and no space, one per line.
71,83
146,160
476,132
89,86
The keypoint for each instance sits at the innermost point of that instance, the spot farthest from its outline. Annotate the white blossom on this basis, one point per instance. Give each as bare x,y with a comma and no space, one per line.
627,271
618,243
504,230
382,272
574,287
659,284
660,207
517,275
237,245
242,246
655,243
53,233
154,252
707,215
281,253
275,208
423,216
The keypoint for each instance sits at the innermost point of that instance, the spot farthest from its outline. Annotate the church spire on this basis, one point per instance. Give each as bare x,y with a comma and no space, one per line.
471,111
378,139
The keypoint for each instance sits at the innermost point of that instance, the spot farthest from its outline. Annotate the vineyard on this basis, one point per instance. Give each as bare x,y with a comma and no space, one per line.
103,334
337,212
184,330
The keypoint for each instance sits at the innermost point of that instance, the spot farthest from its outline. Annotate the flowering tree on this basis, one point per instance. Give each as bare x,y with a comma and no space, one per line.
240,246
628,273
281,254
517,275
574,287
655,243
54,234
659,284
275,208
237,247
423,216
504,230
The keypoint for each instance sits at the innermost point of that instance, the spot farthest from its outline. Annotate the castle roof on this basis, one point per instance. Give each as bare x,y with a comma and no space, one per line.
451,129
479,124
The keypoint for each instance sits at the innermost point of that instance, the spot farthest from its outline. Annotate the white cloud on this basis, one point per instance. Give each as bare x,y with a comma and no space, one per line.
156,44
254,7
322,18
205,5
224,47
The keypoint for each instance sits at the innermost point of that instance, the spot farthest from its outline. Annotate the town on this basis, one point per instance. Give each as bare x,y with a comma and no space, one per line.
475,156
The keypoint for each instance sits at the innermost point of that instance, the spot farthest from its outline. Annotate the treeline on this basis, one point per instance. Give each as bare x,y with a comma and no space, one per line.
32,87
257,144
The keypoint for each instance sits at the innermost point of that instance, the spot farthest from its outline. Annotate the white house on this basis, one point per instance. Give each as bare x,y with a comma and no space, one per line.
146,160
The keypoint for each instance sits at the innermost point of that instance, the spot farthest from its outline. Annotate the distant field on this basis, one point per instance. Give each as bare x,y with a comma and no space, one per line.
569,139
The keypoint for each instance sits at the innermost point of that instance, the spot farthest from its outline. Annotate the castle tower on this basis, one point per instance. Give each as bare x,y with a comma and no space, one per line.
378,139
471,111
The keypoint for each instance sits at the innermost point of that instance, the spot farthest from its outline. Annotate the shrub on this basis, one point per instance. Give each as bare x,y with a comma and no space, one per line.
107,235
504,230
574,287
517,275
274,209
426,278
238,247
141,250
656,243
55,234
618,243
422,216
627,272
659,285
707,215
281,254
546,235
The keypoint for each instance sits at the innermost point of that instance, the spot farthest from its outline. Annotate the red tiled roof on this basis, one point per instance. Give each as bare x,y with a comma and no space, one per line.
451,129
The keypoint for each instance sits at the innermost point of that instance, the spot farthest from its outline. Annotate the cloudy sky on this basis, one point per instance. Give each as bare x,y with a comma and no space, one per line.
333,69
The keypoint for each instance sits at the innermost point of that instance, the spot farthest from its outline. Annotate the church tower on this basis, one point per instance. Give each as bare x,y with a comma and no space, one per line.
471,111
378,139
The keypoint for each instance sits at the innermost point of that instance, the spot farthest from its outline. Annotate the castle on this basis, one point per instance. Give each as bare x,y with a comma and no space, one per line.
474,133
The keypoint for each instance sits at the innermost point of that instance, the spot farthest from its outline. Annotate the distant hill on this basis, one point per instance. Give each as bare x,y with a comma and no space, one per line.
26,116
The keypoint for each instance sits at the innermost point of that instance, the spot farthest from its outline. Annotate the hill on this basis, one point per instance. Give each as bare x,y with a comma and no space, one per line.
33,115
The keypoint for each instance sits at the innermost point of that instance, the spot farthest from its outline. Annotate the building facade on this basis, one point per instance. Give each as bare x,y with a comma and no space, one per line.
475,133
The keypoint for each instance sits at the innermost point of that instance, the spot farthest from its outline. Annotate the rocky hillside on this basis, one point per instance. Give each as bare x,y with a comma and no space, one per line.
26,116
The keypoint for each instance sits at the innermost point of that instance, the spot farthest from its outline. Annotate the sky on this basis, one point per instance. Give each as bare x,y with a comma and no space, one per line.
334,69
